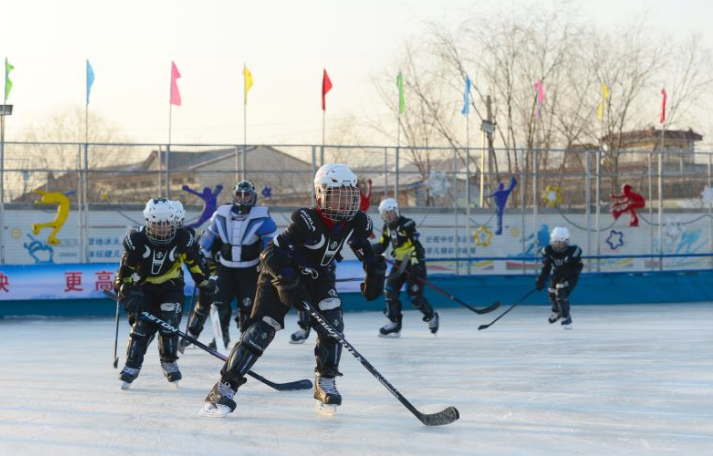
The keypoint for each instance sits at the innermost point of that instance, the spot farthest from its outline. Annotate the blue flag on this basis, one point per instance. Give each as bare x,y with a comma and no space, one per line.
466,97
90,79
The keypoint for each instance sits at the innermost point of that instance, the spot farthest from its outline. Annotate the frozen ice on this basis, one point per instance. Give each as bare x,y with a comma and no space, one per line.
627,380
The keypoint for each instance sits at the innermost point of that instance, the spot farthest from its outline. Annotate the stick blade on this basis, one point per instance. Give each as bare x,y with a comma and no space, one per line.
116,363
446,416
490,308
298,385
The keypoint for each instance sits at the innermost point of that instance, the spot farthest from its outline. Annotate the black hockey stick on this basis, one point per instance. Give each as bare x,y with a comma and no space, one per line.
446,416
296,385
116,337
181,347
517,303
482,311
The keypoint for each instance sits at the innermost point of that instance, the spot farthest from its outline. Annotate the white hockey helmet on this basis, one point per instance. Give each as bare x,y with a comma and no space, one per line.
180,213
559,238
160,220
336,191
389,210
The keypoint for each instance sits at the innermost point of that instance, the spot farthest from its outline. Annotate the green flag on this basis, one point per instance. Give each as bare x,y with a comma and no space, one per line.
8,82
400,85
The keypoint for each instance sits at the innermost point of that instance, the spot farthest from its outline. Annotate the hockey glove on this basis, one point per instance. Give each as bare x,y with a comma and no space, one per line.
291,291
132,299
209,286
373,284
540,283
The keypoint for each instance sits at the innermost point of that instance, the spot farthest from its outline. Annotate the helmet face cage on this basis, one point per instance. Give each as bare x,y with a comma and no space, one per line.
390,216
160,217
559,239
244,196
338,203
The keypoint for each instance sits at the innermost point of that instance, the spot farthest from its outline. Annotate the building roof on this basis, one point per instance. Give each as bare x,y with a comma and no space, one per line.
653,134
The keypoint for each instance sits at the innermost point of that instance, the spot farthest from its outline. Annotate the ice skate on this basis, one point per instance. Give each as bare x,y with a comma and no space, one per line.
554,317
219,401
567,323
433,323
170,370
327,395
391,329
299,336
127,376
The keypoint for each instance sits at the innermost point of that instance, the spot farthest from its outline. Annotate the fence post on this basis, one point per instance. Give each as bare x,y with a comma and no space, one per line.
314,171
660,218
80,193
396,184
588,203
523,203
455,207
467,207
598,194
651,207
710,212
86,202
386,172
168,172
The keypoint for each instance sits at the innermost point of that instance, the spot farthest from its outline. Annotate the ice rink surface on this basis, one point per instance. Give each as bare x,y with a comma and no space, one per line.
627,380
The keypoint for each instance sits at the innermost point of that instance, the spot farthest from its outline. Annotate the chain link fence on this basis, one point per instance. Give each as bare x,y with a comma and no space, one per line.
487,207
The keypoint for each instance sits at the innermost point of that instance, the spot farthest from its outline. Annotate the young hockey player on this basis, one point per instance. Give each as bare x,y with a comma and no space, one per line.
295,267
565,263
237,232
150,279
400,232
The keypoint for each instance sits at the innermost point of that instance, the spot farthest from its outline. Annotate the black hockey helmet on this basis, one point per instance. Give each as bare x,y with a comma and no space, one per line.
244,196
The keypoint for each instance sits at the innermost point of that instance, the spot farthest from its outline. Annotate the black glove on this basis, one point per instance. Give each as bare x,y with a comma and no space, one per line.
373,284
291,290
209,286
131,298
540,283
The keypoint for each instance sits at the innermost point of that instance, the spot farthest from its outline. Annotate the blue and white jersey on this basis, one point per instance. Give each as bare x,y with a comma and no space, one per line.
236,240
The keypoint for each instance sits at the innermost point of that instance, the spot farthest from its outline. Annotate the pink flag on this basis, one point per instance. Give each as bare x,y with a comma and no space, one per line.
175,94
662,118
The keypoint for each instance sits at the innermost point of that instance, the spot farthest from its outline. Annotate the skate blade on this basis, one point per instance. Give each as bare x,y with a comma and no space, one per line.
125,385
390,336
173,385
325,409
214,410
298,342
568,327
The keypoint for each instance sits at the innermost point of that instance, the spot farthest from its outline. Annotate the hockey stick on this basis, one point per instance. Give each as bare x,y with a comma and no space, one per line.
517,303
181,347
116,337
446,416
290,386
482,311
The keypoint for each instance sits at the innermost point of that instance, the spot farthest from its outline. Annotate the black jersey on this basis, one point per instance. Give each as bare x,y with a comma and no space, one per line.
308,242
145,262
404,240
566,264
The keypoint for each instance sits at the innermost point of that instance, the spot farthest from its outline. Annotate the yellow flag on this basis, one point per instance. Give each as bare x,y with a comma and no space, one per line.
248,81
603,103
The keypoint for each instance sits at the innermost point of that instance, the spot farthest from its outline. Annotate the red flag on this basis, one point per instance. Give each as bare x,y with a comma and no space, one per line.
663,106
326,87
175,94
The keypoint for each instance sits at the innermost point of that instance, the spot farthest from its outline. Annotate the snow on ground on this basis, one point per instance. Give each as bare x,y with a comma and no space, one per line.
628,380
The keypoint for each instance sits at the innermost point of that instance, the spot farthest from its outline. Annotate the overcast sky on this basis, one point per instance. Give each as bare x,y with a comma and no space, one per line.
285,43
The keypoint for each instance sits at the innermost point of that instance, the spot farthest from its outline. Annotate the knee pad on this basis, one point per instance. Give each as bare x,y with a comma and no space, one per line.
170,312
253,343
